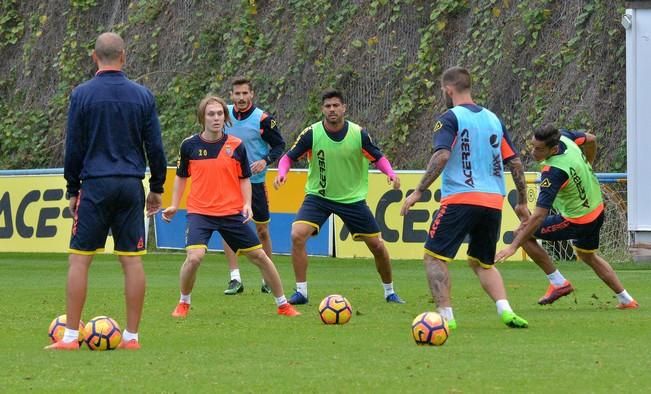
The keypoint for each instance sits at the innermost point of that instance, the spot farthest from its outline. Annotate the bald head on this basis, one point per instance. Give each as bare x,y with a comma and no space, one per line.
109,47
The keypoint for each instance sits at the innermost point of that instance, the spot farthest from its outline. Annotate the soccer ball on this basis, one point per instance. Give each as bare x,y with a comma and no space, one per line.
58,328
335,309
429,328
102,333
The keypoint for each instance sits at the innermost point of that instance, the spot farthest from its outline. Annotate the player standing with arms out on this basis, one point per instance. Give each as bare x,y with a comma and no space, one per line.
568,185
112,125
338,152
212,159
264,145
471,146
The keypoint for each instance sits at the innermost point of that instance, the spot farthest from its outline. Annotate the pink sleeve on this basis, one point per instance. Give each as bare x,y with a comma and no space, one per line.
384,166
284,165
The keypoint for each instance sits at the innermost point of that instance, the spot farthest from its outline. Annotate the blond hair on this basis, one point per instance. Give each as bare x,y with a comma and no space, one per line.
210,99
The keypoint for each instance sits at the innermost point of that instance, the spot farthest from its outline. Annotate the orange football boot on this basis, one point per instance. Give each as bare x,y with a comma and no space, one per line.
555,292
181,310
129,345
631,305
74,345
288,310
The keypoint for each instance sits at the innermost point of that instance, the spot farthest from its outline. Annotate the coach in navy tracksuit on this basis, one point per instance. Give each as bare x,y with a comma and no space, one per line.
112,125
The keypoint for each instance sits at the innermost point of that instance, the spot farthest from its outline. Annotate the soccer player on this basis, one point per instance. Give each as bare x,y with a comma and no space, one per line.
264,145
568,185
338,152
471,145
219,200
112,125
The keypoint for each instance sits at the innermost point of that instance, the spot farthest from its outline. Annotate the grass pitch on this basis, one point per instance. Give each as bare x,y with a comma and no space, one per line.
238,343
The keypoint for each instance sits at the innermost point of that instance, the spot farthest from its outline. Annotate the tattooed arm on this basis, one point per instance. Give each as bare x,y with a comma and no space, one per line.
517,172
434,168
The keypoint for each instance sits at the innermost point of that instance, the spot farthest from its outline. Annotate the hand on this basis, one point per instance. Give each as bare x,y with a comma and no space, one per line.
395,181
154,202
522,211
279,181
504,254
410,201
247,212
258,166
72,206
169,213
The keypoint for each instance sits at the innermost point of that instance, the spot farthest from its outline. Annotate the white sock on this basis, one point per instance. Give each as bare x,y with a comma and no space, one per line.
388,289
556,278
70,335
446,313
235,275
503,305
127,336
281,300
186,298
263,282
622,297
301,287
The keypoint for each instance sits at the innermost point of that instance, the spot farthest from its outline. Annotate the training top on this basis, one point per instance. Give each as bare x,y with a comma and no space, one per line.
261,136
112,124
338,161
567,180
479,145
216,168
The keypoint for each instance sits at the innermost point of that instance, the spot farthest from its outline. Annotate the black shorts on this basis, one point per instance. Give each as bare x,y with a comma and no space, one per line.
110,203
260,203
585,237
453,222
357,216
237,234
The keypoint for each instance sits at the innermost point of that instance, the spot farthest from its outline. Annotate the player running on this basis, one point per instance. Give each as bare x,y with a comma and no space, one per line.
568,185
471,145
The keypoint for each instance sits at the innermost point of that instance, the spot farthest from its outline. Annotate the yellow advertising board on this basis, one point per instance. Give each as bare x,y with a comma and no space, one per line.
34,215
406,235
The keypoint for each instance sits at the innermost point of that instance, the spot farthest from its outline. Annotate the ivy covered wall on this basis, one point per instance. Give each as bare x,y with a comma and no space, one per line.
533,61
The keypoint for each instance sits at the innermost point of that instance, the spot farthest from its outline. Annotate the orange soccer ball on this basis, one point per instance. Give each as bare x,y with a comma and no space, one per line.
58,327
429,328
102,333
335,309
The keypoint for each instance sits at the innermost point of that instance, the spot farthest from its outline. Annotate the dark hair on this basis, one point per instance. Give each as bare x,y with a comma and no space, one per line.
457,77
549,134
332,93
211,99
240,80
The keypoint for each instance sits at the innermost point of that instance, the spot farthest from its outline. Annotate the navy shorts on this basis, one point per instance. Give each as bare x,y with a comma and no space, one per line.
453,222
237,234
110,203
356,216
260,203
585,237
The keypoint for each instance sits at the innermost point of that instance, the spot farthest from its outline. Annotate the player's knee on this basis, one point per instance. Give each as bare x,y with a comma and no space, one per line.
257,257
298,237
589,258
263,233
194,258
376,245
